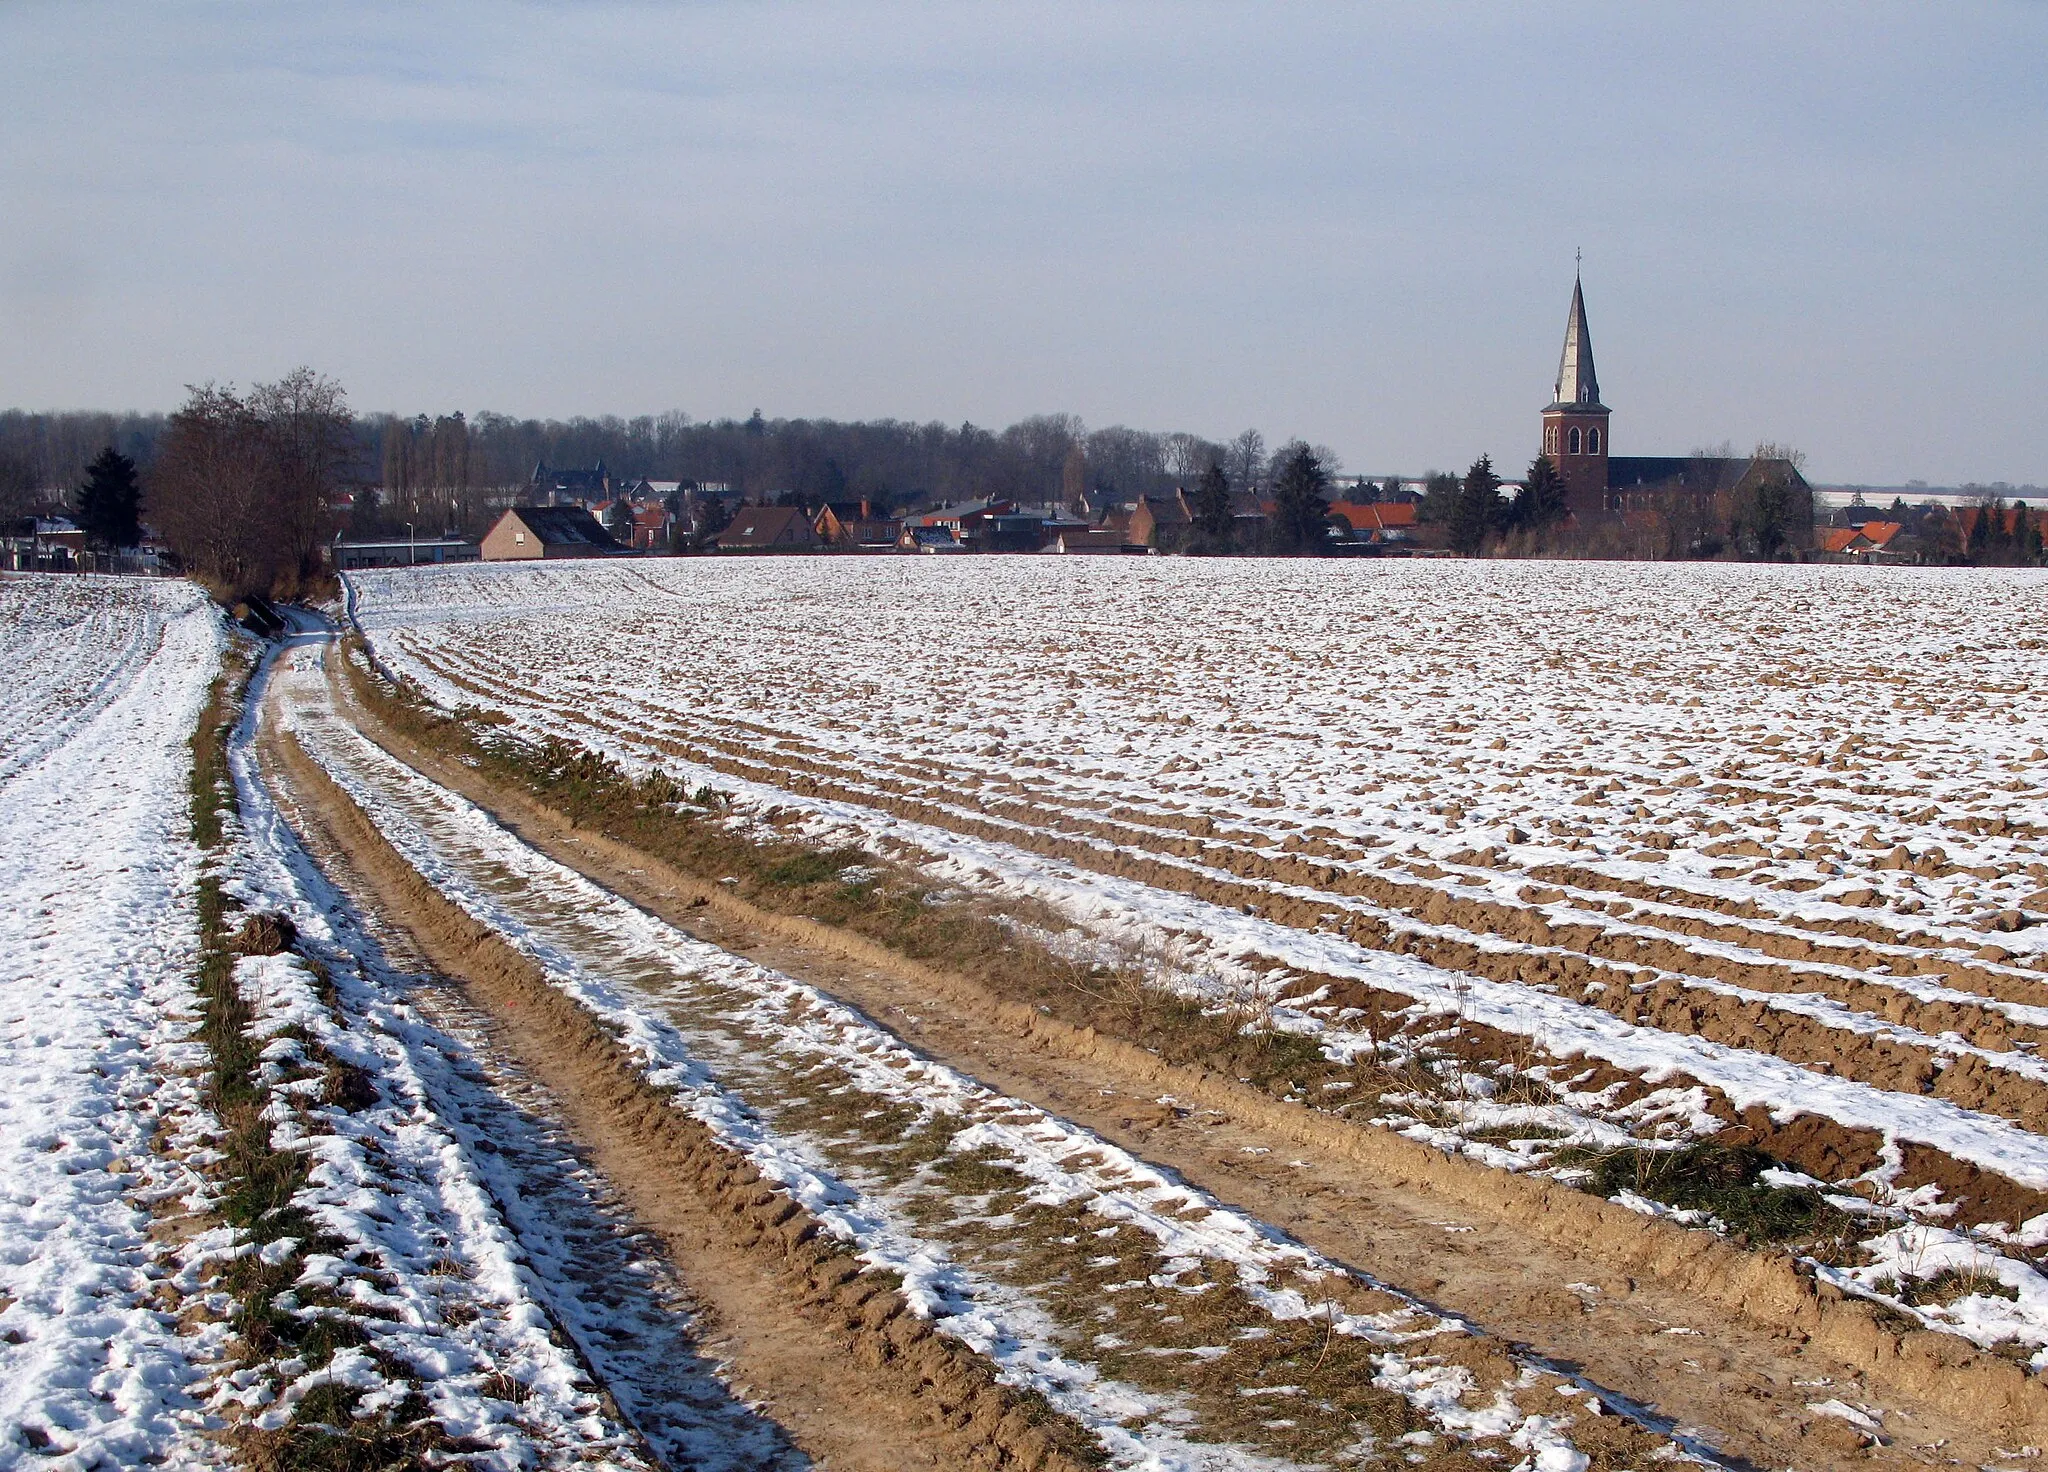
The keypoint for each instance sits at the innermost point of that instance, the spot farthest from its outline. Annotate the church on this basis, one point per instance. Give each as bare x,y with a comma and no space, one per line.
1601,486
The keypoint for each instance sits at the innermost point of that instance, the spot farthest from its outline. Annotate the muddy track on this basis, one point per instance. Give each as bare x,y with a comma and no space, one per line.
1499,1247
840,1361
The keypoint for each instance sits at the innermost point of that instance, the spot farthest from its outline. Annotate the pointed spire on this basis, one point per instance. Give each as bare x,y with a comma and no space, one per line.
1577,384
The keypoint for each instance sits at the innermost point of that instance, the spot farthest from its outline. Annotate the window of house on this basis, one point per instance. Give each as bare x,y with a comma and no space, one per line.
1575,439
519,538
1592,442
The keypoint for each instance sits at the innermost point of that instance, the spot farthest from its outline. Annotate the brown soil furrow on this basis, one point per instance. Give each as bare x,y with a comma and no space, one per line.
1322,842
856,1378
1766,1323
1629,977
1773,967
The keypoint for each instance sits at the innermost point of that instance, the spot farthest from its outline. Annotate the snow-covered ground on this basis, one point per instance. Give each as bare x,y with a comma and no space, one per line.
450,1270
1818,790
102,1120
613,959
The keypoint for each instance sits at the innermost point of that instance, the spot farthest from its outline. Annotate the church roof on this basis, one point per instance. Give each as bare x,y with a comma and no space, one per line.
1577,384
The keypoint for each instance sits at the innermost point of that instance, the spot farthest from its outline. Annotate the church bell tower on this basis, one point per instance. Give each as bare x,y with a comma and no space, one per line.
1575,424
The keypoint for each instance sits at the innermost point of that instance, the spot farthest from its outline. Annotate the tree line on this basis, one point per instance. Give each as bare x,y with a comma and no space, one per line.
246,486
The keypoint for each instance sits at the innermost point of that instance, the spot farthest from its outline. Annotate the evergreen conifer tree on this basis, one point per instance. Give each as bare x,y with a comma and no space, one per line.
1212,514
1477,509
1541,500
2026,534
1301,505
110,502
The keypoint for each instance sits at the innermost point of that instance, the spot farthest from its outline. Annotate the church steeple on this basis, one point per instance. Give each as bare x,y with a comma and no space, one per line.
1577,384
1575,424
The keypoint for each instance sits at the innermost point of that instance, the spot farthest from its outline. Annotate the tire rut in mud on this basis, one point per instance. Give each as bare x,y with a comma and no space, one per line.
836,1355
1623,980
605,1279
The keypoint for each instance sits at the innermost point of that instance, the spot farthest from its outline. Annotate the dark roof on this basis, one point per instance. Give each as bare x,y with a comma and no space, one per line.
565,526
763,526
1674,472
592,479
1578,386
1166,510
1701,474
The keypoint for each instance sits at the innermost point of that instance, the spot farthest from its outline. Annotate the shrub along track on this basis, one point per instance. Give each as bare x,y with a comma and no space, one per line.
1501,1247
857,1380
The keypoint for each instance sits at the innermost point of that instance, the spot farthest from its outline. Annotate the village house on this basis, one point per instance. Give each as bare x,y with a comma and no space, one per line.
1873,541
1160,522
768,529
558,487
1381,523
530,533
854,524
969,524
917,538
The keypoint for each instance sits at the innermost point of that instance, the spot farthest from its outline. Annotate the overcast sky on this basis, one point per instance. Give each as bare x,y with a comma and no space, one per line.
1825,225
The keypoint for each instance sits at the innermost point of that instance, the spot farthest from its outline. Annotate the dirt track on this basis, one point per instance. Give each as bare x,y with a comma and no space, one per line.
856,1380
1748,1384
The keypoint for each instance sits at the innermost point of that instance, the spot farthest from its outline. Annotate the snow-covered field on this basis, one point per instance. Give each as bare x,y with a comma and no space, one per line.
424,1296
101,1113
1765,839
744,1048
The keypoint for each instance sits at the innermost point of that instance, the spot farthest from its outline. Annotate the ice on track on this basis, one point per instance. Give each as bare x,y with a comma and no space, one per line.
101,1111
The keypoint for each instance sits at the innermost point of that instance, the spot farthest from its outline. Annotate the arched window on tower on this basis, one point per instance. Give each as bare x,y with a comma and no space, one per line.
1574,441
1592,442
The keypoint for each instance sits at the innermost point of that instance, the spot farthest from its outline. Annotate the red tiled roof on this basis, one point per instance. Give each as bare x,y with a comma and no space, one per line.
1376,516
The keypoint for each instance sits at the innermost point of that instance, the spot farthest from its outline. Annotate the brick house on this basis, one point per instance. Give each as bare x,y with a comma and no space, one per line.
1163,522
768,529
854,524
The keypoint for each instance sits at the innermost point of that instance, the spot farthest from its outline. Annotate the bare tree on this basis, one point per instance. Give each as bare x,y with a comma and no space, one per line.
206,495
242,485
1246,461
17,488
1189,455
307,442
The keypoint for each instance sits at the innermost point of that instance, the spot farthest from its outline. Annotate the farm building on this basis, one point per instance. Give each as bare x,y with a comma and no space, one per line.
529,533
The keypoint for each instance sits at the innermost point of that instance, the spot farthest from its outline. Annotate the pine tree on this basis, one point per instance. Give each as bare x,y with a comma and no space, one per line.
110,502
1541,501
1477,510
1212,514
1301,505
